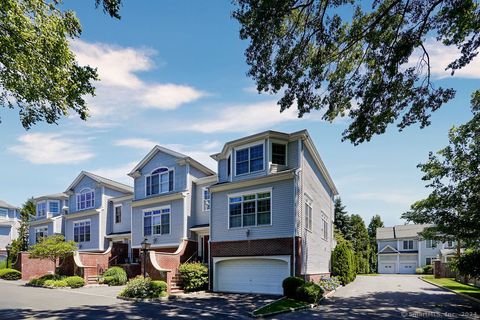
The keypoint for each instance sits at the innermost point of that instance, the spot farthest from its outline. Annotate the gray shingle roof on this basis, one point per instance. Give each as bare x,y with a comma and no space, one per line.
60,195
401,231
6,205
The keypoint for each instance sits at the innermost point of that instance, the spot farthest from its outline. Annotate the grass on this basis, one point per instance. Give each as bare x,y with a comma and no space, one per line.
451,284
368,274
280,305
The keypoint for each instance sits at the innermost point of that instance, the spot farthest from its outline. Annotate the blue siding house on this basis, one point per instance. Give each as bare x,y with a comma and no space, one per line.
49,217
9,215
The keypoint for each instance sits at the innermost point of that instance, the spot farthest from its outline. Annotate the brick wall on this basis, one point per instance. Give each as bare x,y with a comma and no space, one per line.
33,268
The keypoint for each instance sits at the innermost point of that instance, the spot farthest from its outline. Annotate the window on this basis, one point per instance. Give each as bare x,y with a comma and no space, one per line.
118,214
41,209
86,199
308,215
53,207
40,233
431,244
324,227
450,244
3,213
249,159
81,231
250,210
206,199
428,261
279,153
159,181
156,221
408,245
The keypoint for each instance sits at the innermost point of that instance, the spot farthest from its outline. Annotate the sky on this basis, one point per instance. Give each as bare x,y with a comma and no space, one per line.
173,73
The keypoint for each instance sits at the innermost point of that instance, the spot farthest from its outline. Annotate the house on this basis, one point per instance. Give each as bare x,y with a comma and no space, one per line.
401,249
271,213
88,218
9,223
49,216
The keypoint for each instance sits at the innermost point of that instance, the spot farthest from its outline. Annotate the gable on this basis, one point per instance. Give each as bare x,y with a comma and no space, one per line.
388,249
85,182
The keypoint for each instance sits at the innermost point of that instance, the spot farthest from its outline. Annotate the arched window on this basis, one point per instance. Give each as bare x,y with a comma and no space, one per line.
85,199
159,181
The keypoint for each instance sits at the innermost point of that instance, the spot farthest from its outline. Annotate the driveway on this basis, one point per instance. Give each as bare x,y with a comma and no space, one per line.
391,297
19,302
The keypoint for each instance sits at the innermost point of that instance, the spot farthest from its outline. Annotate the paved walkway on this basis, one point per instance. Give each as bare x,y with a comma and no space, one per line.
391,297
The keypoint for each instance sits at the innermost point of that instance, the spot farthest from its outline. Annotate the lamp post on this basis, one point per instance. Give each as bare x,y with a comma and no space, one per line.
145,246
8,247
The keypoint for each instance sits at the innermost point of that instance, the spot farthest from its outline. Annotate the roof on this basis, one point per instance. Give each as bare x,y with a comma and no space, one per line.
108,182
401,231
175,154
302,135
4,204
52,196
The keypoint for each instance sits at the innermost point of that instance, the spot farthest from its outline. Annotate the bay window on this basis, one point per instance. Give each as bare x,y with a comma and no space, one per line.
41,209
53,207
279,153
249,159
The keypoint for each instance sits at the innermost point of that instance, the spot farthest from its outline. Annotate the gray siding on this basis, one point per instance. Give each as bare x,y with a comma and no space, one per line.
292,155
282,214
196,173
425,252
254,174
86,182
199,216
94,243
222,170
161,160
31,234
125,223
383,243
176,224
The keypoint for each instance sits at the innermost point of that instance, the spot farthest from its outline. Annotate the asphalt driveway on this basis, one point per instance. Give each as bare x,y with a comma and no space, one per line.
391,297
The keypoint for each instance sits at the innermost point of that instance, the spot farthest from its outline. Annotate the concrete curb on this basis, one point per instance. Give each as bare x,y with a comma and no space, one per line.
142,299
447,289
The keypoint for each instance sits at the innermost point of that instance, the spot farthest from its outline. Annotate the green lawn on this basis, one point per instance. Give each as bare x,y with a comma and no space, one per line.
368,274
280,305
455,286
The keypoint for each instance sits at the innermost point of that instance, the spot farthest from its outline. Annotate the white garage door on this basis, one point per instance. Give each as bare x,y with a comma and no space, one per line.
251,275
386,268
408,268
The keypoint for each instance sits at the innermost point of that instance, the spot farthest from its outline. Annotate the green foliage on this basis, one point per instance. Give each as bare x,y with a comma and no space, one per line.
53,248
468,264
343,263
55,283
143,288
347,60
10,274
329,284
309,292
3,264
374,224
361,243
419,270
74,281
194,276
342,219
453,205
27,212
290,286
115,276
428,269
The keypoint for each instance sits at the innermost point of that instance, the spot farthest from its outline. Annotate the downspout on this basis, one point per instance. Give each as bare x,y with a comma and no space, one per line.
296,202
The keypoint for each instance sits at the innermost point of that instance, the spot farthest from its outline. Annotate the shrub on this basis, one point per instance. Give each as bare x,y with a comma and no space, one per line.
468,264
290,286
309,292
194,276
343,263
159,288
75,282
428,269
39,282
108,279
118,274
138,287
419,271
55,283
10,274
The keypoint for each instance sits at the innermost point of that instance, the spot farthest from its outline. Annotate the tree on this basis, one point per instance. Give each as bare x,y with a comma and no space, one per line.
342,220
38,71
375,223
26,213
361,243
372,66
453,174
53,248
343,262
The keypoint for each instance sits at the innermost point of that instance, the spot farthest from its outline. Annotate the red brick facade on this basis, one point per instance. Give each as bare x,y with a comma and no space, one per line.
33,268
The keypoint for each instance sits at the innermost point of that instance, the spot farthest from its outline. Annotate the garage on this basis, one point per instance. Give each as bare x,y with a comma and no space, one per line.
387,268
407,267
251,274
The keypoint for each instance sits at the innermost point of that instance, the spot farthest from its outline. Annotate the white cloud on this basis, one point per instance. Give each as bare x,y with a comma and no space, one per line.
120,91
137,143
118,173
441,56
51,148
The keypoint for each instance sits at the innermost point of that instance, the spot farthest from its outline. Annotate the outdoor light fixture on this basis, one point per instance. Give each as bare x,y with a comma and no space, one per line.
8,247
145,247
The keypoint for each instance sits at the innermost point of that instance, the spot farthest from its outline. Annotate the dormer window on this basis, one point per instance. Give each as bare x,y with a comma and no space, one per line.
159,181
249,160
41,209
279,154
53,207
85,199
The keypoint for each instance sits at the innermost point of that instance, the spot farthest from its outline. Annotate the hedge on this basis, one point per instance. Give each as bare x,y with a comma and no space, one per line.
194,276
115,276
343,263
75,281
290,286
309,292
143,288
10,274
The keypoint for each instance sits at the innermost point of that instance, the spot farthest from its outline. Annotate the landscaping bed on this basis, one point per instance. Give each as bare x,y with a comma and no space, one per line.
455,286
144,289
57,281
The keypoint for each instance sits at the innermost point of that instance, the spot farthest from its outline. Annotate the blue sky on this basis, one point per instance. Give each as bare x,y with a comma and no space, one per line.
174,73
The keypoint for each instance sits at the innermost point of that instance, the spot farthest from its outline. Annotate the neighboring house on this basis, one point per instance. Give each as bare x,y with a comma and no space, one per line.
171,204
272,213
402,250
9,224
89,197
49,217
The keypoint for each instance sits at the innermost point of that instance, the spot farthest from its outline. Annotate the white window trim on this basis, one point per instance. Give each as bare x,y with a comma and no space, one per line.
433,244
37,229
325,226
46,208
80,221
413,245
59,206
159,185
247,146
256,191
115,213
6,213
153,209
309,203
203,200
85,191
431,259
273,141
